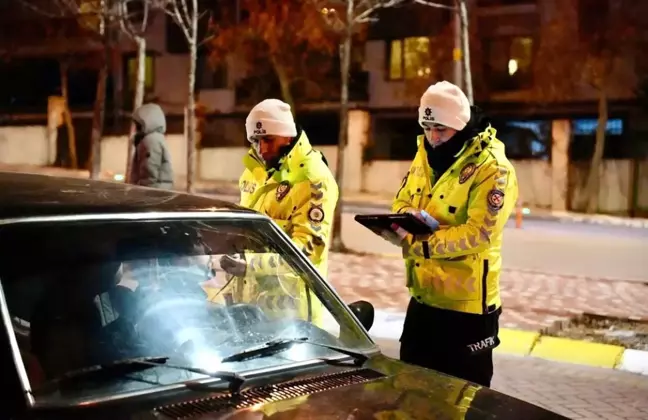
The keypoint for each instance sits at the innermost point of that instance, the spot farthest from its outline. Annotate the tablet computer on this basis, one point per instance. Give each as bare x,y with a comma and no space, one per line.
379,222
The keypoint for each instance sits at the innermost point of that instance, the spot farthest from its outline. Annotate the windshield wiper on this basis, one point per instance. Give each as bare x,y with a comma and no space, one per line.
281,344
122,367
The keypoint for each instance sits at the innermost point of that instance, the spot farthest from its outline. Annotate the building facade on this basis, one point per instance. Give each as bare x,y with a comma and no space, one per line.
528,73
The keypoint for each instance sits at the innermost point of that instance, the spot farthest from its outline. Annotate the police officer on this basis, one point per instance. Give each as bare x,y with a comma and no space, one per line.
286,179
461,179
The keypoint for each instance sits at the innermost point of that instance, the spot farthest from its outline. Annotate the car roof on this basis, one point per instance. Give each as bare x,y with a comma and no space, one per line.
34,195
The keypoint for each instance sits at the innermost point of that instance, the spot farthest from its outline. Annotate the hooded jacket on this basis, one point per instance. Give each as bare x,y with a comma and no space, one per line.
151,162
470,187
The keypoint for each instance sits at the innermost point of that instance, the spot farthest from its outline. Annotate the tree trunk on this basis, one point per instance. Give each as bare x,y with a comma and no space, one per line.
594,175
345,65
117,97
138,99
465,46
457,53
191,99
67,116
284,84
98,119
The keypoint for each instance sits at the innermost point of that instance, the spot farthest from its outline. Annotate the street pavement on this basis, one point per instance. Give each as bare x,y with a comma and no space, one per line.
553,270
532,300
577,392
549,246
564,248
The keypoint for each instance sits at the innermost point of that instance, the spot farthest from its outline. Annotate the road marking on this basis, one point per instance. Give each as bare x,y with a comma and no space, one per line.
580,352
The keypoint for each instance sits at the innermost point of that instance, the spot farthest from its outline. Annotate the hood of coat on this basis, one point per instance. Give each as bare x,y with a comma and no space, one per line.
150,118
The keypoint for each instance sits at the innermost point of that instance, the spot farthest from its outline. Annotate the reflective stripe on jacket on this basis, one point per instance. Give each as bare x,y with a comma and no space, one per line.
300,197
458,267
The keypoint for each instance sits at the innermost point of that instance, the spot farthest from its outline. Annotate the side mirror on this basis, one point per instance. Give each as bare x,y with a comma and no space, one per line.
364,311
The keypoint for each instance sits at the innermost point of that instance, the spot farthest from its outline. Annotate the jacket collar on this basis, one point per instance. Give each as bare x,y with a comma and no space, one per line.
476,145
289,164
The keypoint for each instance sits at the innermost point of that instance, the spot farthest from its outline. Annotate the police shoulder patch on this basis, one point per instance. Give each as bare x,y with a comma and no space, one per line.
495,199
282,190
466,172
316,213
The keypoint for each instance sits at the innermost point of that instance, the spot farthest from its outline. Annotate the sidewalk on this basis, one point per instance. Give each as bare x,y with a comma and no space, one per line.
532,303
229,190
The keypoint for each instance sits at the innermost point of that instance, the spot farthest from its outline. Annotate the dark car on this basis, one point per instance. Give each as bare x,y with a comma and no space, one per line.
114,306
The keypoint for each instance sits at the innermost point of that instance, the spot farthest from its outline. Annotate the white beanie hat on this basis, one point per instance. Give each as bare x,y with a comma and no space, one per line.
270,117
445,104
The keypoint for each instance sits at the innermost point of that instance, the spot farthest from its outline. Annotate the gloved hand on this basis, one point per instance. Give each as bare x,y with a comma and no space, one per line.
234,265
425,217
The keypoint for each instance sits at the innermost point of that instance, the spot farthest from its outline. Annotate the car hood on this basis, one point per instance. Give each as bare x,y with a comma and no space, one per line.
383,389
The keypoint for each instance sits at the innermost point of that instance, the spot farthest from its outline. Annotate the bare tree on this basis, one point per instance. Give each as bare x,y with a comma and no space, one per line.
289,35
64,66
604,41
463,72
134,21
97,16
462,10
102,18
186,15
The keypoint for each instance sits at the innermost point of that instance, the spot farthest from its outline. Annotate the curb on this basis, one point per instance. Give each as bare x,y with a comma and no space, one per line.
388,325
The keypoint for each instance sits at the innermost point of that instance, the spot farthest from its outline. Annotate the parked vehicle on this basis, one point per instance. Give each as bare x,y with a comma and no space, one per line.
113,306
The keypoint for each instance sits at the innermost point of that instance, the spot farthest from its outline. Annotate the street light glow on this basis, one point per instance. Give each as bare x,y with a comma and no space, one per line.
512,66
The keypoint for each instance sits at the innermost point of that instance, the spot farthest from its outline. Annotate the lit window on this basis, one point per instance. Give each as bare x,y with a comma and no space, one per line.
586,127
510,62
148,73
396,60
521,51
417,57
409,58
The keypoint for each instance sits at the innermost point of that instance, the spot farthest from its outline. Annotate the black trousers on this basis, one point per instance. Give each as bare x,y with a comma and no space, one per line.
450,342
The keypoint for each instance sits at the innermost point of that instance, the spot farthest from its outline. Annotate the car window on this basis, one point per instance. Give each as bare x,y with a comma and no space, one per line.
84,293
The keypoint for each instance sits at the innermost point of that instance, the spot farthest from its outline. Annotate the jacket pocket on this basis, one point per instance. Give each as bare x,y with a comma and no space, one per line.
458,280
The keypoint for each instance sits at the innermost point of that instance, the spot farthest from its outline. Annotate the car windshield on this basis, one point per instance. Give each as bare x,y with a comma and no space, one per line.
88,293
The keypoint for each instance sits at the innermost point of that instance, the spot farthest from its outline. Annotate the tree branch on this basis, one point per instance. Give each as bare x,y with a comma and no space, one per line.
185,11
437,5
365,16
170,7
43,12
370,7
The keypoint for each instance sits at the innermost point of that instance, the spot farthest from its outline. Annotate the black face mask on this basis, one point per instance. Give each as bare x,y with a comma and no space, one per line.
283,151
440,158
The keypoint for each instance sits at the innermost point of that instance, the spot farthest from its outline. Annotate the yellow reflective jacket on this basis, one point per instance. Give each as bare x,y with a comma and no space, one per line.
458,267
300,197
